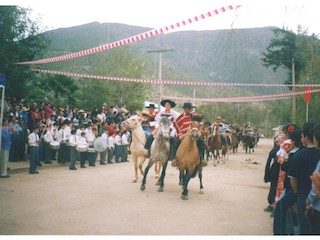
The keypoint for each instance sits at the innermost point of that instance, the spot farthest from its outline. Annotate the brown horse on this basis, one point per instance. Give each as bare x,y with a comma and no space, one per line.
215,143
188,158
234,142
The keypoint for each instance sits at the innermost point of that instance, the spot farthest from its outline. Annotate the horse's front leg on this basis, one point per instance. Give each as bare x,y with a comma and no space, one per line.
186,179
200,178
144,180
135,162
163,174
143,159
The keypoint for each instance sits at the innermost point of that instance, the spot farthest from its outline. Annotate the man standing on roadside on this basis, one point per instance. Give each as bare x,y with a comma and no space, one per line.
7,134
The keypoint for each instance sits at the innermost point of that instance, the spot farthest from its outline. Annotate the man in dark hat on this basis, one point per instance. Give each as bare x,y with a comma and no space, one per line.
167,112
182,124
152,116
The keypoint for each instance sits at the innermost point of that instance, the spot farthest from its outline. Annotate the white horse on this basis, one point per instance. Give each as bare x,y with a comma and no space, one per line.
160,152
138,152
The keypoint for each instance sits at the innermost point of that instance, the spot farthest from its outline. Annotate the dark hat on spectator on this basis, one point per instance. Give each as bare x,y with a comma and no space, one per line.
172,103
151,105
187,105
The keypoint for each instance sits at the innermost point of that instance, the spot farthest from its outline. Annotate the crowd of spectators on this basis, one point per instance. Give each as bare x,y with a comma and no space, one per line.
21,118
293,169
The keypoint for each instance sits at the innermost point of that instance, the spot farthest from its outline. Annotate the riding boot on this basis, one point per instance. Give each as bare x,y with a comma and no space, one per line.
148,145
174,144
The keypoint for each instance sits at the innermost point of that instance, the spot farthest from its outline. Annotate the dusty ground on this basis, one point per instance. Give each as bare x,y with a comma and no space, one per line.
102,200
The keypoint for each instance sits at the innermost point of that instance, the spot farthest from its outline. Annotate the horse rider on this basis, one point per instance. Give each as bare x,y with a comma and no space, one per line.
182,124
222,129
152,118
145,122
167,112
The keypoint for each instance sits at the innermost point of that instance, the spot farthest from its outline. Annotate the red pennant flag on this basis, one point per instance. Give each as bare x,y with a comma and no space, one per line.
307,95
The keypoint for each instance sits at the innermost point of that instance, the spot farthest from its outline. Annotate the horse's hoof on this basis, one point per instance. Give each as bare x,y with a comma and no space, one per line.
158,183
215,165
201,191
143,187
156,177
184,197
160,189
180,183
134,180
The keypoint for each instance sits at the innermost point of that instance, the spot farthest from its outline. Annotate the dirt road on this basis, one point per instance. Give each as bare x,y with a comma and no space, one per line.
103,200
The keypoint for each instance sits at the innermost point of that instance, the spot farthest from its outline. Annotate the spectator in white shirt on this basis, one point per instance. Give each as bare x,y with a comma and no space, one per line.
110,147
34,141
124,140
74,154
118,148
103,154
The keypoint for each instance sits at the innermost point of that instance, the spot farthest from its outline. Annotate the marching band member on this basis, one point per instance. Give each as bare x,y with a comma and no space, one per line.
117,146
103,154
74,154
34,142
90,139
62,139
48,137
111,146
80,130
83,155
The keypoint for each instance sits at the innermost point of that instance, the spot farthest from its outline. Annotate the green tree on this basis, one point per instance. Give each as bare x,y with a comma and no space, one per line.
19,41
304,49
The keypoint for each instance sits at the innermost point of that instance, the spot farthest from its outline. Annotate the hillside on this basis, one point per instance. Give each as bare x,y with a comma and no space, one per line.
231,55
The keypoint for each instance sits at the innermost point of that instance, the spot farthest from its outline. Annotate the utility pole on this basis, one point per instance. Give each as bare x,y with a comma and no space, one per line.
294,106
160,69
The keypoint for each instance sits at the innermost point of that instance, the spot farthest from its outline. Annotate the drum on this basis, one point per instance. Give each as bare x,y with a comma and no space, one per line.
55,145
100,144
82,148
91,150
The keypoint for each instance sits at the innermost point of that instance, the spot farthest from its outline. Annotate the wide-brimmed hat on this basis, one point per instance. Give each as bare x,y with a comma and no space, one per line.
24,109
187,105
81,111
219,118
151,105
172,103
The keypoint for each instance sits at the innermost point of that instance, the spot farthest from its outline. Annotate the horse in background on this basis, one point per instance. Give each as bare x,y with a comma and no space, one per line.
207,136
248,142
138,152
234,141
188,158
160,152
215,144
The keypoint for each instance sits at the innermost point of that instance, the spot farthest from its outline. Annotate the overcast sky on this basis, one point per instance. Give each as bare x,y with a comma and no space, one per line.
159,13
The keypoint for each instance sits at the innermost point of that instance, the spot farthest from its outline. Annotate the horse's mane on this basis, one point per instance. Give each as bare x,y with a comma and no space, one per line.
164,121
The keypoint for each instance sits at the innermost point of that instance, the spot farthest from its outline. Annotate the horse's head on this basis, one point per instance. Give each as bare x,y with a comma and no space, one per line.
164,128
131,122
194,129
